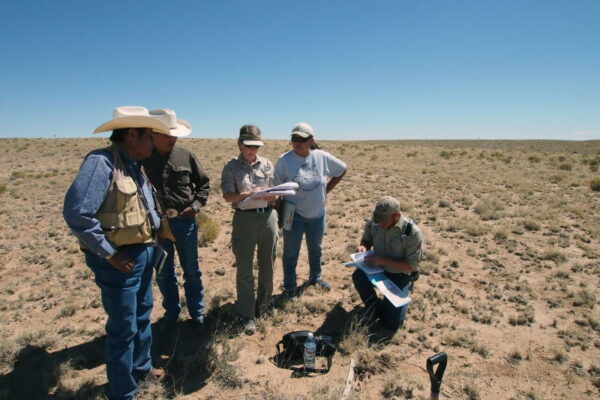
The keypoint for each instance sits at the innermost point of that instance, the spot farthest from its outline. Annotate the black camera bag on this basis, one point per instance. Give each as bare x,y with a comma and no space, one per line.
290,351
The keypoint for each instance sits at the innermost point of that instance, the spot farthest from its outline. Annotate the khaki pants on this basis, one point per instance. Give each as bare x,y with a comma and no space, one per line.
253,230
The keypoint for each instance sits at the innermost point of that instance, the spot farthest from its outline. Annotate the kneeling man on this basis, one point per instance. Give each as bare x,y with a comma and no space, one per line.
396,242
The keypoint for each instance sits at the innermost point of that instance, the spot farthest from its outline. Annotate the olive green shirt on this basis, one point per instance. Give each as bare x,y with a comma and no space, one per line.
238,176
178,177
394,243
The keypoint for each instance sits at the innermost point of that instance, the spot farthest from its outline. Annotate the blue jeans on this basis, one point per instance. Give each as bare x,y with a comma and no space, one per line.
314,228
127,299
186,232
390,316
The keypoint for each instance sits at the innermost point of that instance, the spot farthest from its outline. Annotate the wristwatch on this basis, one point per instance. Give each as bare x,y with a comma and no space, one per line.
195,208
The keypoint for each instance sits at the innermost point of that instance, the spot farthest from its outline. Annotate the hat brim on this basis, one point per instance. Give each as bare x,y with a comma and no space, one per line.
183,129
378,217
134,121
253,143
302,134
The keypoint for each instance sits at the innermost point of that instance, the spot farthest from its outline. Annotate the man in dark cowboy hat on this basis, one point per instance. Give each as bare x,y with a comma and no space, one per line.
111,210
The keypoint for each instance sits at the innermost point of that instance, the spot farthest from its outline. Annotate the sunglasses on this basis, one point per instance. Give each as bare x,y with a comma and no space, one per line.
300,139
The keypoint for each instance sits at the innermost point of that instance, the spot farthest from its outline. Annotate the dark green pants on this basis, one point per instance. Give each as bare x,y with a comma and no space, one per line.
253,230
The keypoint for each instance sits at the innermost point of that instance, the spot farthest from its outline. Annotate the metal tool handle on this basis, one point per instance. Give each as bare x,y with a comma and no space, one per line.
440,359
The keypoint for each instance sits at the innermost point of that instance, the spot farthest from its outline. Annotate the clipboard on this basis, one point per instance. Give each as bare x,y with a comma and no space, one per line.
288,215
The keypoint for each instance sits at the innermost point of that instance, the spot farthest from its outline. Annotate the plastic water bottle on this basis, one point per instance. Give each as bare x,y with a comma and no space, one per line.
310,351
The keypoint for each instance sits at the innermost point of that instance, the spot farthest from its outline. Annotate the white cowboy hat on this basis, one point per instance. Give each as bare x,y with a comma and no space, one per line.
178,127
133,117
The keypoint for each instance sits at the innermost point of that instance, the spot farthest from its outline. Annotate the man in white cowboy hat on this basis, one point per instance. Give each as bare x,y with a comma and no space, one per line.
112,212
182,185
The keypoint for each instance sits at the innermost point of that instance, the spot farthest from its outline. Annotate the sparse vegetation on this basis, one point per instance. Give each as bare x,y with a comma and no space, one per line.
509,279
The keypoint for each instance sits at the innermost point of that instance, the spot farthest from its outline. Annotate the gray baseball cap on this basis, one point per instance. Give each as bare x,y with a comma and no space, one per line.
385,207
304,130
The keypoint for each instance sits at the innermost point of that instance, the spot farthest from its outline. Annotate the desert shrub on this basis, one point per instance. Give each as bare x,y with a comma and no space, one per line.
392,388
565,167
221,353
594,185
370,362
515,356
209,229
356,337
531,225
585,298
471,391
475,229
446,154
501,234
555,256
534,159
556,178
525,317
489,209
2,188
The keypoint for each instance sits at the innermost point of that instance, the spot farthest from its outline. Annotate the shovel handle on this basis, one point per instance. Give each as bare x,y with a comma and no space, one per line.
435,377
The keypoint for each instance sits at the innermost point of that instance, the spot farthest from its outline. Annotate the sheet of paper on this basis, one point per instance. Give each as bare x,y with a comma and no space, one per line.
389,290
267,193
358,261
285,189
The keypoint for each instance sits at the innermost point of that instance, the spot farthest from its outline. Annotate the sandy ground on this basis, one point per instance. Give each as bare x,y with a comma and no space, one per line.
509,284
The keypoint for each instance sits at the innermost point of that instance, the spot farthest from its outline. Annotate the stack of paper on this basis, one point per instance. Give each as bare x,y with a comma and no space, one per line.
285,189
379,279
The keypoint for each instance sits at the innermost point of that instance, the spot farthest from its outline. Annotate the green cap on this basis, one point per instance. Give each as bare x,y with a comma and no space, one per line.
385,207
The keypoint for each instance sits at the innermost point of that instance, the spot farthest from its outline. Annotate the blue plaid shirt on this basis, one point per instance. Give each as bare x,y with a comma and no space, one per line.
87,193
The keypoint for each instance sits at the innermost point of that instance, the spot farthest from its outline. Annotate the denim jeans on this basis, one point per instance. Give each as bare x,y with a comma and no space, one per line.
127,300
314,228
186,232
390,316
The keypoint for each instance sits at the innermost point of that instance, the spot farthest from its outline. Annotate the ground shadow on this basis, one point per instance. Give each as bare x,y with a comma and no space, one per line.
36,371
182,352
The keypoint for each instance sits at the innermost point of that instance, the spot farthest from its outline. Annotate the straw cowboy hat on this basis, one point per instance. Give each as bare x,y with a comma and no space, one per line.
133,117
178,127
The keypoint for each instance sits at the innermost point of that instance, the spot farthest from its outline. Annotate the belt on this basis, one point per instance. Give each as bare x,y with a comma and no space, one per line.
256,210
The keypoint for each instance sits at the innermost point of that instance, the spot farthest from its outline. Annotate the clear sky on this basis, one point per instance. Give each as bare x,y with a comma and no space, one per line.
420,69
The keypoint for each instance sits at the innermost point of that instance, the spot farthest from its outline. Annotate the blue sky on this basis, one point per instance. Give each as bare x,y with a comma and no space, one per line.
447,69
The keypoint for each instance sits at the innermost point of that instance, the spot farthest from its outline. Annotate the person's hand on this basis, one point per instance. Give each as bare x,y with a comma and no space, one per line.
269,198
121,261
361,249
249,193
188,212
373,260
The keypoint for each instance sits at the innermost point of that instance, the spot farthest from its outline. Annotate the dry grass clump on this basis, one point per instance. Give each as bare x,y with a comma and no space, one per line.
222,353
208,229
595,184
489,209
585,298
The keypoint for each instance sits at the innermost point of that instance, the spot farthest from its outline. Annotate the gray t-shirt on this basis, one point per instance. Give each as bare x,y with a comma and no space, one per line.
311,173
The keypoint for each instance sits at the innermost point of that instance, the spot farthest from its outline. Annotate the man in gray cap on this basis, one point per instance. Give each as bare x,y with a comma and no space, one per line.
396,242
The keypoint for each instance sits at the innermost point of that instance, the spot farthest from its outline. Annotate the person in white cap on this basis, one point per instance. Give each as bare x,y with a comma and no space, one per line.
112,212
316,172
182,185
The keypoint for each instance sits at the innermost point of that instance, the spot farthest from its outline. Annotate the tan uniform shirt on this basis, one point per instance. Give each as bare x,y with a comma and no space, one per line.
394,243
238,176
